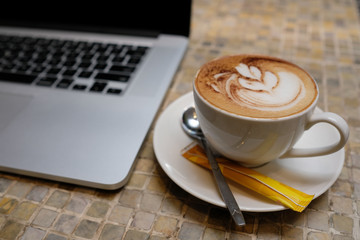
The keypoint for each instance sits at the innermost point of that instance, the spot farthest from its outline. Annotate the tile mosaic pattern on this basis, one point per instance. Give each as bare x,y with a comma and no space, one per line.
322,36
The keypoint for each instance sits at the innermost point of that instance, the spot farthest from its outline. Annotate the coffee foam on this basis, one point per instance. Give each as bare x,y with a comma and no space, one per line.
256,86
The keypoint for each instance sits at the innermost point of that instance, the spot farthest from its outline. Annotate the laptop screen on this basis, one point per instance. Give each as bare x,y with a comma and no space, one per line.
137,17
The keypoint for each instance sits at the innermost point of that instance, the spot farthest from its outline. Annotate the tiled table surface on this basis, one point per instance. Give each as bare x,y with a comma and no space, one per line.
323,36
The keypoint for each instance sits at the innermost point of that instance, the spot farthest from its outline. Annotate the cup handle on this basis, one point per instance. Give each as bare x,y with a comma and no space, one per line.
327,117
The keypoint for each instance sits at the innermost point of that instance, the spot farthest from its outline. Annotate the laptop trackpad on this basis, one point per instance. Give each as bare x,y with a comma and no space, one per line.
10,106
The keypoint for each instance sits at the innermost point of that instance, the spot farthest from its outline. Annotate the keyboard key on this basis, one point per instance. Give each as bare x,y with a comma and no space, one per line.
102,58
54,71
40,60
47,81
23,68
112,77
140,51
69,72
123,69
134,60
114,91
85,74
54,61
16,77
100,66
118,59
65,83
98,87
9,66
69,63
85,64
24,58
79,87
117,49
38,69
87,56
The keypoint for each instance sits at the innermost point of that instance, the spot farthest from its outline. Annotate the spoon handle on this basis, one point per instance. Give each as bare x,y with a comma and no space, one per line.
223,187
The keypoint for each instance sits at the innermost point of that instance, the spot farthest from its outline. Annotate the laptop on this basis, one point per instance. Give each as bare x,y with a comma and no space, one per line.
80,86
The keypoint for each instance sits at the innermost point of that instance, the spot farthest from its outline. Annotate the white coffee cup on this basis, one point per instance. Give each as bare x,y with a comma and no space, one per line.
254,141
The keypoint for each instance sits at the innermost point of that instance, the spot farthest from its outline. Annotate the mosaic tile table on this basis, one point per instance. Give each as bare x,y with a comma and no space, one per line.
323,36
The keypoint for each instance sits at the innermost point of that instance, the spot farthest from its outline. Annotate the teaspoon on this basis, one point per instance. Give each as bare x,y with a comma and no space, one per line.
191,126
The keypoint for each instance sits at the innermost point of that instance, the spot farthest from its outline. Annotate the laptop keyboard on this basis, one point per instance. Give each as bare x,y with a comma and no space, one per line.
67,64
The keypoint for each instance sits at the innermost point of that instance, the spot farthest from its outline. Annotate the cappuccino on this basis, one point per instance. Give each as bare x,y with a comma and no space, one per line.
256,86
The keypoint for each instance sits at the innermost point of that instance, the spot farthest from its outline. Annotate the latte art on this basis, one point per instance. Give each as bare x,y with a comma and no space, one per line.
256,86
262,90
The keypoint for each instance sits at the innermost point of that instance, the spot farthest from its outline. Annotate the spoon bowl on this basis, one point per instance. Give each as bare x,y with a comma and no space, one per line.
191,124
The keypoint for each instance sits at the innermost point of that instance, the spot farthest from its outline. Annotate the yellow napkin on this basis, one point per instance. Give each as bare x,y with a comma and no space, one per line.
279,192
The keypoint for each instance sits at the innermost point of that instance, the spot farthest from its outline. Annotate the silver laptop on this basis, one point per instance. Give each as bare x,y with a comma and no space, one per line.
79,89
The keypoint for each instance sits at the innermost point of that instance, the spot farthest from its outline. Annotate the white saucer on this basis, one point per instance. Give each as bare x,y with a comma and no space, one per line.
311,175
